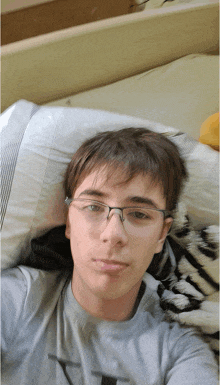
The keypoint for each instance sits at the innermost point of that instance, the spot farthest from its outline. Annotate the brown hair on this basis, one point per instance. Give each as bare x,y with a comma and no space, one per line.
135,151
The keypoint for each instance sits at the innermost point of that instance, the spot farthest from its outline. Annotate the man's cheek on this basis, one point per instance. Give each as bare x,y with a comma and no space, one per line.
82,248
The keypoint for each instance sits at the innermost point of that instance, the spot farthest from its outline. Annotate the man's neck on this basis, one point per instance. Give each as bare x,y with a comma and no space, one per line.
117,309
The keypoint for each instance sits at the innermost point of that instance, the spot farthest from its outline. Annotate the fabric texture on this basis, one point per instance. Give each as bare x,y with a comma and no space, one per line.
39,143
49,339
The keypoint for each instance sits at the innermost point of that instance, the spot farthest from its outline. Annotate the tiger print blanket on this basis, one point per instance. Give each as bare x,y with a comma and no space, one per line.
186,270
189,276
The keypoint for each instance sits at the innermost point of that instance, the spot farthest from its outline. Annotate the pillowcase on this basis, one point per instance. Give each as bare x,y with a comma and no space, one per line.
181,94
38,143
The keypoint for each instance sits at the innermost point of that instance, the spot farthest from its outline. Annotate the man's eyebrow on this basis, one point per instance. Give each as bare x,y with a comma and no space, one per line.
142,200
93,192
130,199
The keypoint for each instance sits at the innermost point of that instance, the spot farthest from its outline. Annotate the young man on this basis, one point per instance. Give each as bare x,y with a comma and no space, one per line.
103,324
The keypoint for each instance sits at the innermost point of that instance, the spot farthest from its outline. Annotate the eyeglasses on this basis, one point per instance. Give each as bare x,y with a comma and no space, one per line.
134,217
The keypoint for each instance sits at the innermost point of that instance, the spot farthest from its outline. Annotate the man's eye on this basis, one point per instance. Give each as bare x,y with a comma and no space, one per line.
95,208
138,215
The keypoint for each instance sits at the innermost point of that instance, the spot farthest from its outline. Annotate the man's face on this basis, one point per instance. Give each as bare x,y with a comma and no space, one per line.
110,261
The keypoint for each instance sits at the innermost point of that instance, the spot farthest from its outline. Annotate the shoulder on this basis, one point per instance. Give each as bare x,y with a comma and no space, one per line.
190,359
24,291
182,344
22,280
186,339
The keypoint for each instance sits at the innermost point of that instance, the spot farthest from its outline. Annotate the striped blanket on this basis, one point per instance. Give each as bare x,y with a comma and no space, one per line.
189,276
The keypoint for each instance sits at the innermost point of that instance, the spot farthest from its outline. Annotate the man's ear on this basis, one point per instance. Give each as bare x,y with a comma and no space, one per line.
67,231
166,227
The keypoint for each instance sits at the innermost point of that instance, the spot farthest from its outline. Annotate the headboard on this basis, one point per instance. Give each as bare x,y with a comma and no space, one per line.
61,63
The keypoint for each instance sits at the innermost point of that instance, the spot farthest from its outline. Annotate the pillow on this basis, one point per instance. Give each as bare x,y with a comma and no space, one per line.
38,143
181,94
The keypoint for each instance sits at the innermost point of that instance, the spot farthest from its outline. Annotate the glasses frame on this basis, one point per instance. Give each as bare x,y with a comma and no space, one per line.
166,213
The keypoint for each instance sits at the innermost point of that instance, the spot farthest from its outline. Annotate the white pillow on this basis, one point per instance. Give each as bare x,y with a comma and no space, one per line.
38,143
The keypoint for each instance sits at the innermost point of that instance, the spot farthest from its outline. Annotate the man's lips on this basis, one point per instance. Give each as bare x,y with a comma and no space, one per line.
110,265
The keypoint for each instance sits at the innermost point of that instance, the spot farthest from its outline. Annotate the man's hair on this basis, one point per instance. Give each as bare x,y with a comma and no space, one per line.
133,151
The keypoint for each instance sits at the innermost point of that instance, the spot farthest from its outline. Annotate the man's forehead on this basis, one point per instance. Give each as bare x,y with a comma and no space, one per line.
103,183
107,176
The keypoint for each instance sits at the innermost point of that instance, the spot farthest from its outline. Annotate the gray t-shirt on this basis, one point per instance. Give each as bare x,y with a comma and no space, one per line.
49,339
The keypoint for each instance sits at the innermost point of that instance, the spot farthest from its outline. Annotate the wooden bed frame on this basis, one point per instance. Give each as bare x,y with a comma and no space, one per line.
62,63
22,19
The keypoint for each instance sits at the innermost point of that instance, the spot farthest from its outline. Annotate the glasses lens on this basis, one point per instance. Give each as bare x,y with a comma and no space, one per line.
92,211
138,217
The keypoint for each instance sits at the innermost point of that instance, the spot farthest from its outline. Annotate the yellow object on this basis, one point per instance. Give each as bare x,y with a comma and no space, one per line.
209,131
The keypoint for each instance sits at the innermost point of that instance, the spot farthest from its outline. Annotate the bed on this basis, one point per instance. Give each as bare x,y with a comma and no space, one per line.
157,68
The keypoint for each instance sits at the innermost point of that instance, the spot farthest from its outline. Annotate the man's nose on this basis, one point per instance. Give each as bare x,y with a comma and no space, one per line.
114,231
